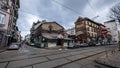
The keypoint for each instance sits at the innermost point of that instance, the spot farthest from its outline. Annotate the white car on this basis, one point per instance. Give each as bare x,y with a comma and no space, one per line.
83,44
13,46
98,44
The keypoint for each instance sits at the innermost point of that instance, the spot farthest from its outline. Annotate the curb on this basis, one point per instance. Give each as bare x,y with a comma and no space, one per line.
3,50
97,61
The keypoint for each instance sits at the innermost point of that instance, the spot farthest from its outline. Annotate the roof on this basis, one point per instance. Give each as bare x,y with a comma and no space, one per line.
102,24
81,18
52,22
92,21
109,21
40,23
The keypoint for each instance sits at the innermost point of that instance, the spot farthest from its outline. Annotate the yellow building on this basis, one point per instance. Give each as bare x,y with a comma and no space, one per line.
86,29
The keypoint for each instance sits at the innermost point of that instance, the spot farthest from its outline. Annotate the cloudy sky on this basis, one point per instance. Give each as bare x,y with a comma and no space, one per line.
64,12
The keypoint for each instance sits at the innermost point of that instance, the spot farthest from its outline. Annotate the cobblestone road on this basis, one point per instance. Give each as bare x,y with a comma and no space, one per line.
31,57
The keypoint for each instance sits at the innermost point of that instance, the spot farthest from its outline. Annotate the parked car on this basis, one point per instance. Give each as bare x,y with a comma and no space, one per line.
14,46
91,43
77,44
32,44
72,45
98,44
83,44
19,44
36,44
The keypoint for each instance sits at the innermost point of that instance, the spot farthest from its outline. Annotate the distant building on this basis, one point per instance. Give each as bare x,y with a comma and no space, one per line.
112,26
71,32
8,18
27,39
49,34
87,30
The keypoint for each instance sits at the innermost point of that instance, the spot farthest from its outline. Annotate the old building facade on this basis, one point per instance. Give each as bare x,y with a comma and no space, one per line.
49,34
8,18
87,30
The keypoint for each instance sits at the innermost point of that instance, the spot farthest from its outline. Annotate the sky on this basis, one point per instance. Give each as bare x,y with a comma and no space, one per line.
64,12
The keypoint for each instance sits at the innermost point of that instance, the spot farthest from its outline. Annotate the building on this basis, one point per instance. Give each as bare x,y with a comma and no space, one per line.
112,26
27,39
49,34
8,18
87,30
71,32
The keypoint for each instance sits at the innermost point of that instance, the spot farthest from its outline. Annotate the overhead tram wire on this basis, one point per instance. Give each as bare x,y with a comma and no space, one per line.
91,7
34,14
67,7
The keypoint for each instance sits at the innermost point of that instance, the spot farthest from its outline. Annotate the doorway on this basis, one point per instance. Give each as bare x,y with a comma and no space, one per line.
59,42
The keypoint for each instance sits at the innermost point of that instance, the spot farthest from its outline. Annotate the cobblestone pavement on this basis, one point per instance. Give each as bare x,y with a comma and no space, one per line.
30,57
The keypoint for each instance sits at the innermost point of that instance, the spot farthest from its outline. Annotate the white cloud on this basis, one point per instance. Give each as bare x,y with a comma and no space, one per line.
32,10
32,18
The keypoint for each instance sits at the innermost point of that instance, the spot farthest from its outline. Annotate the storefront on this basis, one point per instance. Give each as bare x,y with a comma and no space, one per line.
55,40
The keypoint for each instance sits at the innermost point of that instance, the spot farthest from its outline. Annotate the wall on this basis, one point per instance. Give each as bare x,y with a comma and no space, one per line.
6,21
52,44
113,28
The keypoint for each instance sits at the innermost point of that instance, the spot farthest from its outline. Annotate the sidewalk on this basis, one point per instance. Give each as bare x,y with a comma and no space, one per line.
113,60
3,49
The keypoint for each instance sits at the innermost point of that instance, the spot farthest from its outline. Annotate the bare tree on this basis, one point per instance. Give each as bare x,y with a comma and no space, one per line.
115,12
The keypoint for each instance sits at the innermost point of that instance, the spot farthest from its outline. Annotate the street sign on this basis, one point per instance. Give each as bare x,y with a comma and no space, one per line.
104,31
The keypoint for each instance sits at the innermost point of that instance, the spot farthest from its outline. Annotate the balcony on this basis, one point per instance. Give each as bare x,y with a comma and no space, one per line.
4,6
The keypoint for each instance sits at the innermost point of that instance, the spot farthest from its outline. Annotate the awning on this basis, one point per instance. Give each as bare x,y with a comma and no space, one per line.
68,39
49,37
54,36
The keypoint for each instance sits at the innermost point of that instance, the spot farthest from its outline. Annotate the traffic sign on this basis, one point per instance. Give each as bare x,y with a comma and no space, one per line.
104,31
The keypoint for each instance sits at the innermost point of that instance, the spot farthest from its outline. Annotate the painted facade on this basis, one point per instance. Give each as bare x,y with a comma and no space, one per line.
8,18
112,26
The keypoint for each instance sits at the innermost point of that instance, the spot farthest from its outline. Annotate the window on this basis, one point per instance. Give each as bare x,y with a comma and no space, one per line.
92,29
89,23
2,18
86,23
50,27
87,28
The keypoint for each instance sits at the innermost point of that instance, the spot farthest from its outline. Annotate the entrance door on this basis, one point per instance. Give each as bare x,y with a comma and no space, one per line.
59,42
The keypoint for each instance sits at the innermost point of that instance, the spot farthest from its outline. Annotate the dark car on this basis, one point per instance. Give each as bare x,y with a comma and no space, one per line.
91,43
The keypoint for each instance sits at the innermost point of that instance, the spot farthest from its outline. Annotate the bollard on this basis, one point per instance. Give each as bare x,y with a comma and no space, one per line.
119,45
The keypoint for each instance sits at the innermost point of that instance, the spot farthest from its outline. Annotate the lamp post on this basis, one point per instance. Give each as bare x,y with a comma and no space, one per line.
104,32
